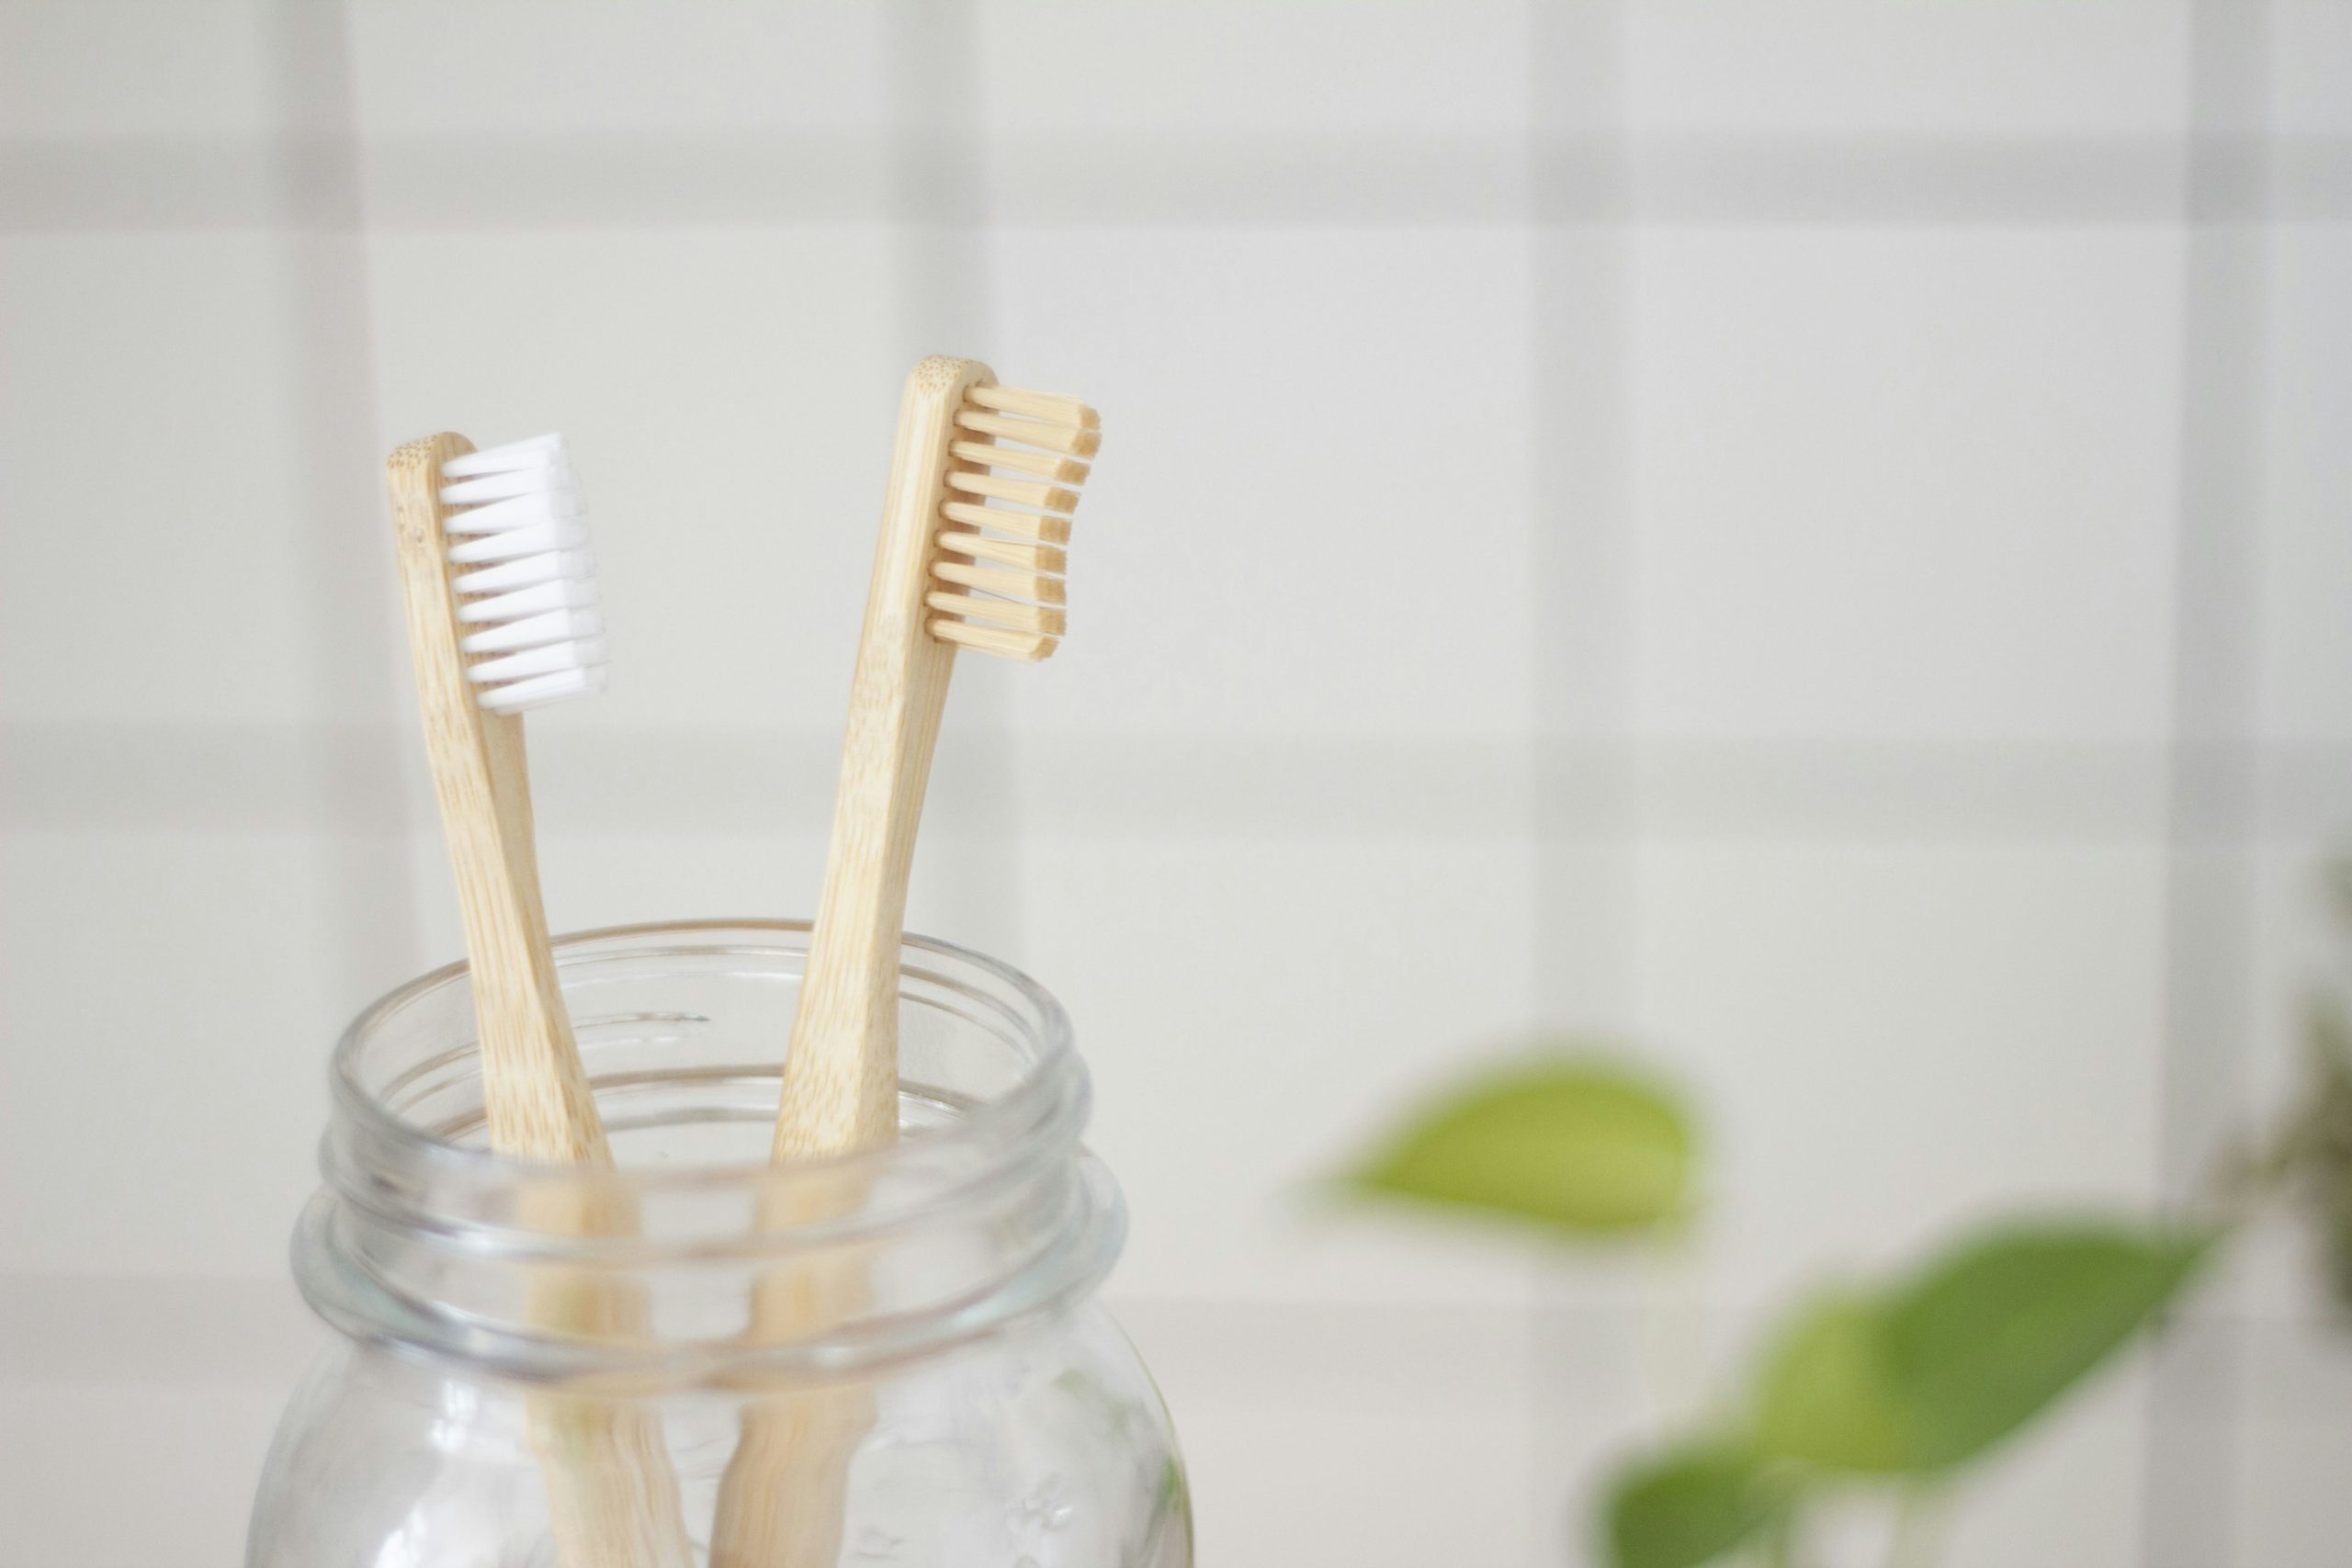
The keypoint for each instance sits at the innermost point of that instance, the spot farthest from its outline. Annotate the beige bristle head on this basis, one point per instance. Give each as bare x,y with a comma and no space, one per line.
1017,463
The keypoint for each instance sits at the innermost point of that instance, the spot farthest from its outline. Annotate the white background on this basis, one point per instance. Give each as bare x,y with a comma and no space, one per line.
1807,539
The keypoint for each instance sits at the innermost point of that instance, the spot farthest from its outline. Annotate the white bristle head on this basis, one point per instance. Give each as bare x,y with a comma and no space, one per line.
531,583
1018,459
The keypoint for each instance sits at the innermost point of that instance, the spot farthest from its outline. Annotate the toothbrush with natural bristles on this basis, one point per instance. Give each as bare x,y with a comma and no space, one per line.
983,480
503,618
982,483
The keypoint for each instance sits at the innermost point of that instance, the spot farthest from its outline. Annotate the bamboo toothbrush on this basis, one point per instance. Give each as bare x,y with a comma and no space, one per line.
503,618
983,480
951,571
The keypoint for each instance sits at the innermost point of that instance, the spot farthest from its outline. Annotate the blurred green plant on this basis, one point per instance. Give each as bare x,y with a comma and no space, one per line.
2308,1164
1892,1388
1701,1503
1903,1385
1581,1146
1900,1384
2305,1162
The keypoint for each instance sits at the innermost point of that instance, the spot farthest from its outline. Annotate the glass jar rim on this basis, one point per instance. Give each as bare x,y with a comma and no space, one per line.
417,1240
1032,1100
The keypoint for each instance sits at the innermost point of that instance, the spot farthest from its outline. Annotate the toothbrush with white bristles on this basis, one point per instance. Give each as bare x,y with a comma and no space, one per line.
503,616
533,593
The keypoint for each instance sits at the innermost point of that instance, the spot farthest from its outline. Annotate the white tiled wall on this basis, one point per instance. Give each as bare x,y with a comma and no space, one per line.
1941,1030
718,432
1336,406
1947,68
1322,67
2306,473
441,71
1903,484
1663,522
128,68
162,990
148,411
1275,1000
2308,44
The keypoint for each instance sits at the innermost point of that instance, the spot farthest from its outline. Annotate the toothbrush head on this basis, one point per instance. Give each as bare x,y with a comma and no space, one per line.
1016,461
525,577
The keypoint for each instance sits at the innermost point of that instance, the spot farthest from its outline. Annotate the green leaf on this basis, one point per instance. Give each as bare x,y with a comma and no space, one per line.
1827,1398
1578,1145
1939,1368
1986,1339
1692,1507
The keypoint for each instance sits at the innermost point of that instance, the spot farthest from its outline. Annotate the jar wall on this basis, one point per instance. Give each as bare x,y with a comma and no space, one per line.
1044,1446
1002,1420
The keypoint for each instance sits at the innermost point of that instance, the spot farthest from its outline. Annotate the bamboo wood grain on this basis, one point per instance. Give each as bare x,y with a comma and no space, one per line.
841,1074
783,1501
612,1497
784,1497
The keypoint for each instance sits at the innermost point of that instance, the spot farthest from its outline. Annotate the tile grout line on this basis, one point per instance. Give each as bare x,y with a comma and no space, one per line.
353,639
2188,1503
939,204
1580,927
259,777
470,183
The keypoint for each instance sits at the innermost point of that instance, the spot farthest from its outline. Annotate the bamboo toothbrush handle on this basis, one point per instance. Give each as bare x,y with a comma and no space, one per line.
613,1499
841,1075
783,1501
535,1092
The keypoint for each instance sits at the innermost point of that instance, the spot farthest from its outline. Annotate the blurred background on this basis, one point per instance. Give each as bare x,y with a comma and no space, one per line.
1806,540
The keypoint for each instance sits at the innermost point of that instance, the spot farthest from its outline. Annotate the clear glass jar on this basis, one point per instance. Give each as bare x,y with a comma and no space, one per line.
976,1407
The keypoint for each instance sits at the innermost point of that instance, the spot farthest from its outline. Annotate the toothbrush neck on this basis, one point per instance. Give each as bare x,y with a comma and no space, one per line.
842,1071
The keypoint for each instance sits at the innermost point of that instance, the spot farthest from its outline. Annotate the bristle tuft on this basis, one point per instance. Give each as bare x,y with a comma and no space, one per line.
1049,559
1026,585
1015,483
1037,527
1027,492
533,590
1054,408
1052,438
1043,465
1002,612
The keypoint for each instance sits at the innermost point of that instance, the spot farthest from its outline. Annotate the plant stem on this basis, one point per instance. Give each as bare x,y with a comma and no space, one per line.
1919,1528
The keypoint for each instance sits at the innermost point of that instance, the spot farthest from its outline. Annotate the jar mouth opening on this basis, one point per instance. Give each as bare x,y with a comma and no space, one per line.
987,1209
1036,1097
